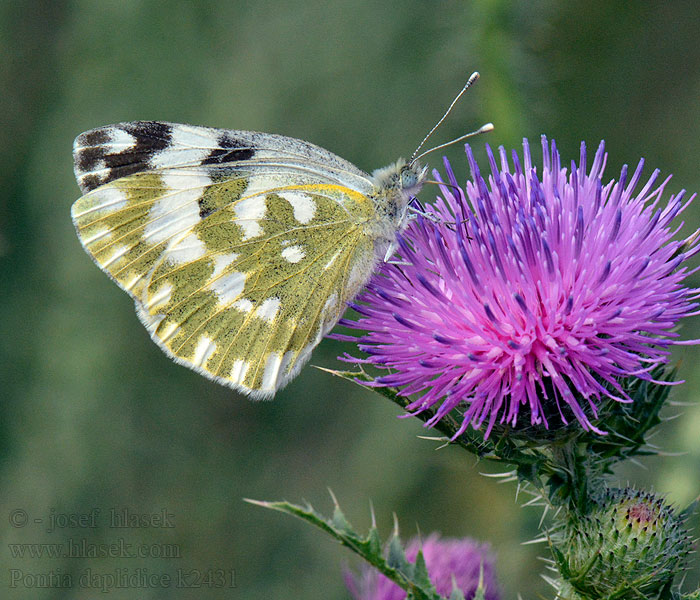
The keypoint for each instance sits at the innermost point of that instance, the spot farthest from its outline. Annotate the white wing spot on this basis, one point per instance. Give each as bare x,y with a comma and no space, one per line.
258,185
205,348
109,199
170,330
119,251
186,147
221,261
228,287
268,309
293,254
239,370
97,235
332,260
100,165
271,372
188,249
249,211
304,206
133,281
162,296
119,141
177,210
185,180
243,305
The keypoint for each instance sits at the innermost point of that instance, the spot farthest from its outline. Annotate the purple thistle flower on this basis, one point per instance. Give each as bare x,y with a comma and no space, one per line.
537,288
444,558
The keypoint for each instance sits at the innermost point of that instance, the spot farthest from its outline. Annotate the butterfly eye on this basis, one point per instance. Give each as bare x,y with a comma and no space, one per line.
411,177
408,178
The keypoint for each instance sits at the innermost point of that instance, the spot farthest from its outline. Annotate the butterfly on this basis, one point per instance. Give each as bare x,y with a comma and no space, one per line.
240,249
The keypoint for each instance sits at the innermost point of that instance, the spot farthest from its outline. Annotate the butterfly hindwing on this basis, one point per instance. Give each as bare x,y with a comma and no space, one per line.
247,295
234,273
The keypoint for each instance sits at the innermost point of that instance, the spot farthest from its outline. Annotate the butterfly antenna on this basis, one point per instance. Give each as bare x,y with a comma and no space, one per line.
472,79
482,129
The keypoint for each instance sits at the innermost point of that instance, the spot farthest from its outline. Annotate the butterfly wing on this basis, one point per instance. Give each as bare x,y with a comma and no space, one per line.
238,266
108,153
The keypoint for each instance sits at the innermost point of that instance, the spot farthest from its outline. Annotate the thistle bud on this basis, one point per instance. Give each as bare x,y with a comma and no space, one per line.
630,545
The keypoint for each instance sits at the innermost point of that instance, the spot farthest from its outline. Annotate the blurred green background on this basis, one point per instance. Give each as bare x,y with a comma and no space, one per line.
93,415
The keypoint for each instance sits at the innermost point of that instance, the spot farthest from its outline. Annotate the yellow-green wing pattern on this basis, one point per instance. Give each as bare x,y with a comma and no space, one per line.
235,274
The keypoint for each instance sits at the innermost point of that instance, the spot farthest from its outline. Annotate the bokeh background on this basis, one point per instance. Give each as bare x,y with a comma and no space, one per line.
93,415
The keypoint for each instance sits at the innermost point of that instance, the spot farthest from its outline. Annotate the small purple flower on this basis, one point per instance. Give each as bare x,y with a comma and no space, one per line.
444,558
536,291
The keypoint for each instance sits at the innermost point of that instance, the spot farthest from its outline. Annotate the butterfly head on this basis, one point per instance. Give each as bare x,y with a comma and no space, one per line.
401,177
412,176
394,185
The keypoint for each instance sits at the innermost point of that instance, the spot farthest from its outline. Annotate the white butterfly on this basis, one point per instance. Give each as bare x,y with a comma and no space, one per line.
240,249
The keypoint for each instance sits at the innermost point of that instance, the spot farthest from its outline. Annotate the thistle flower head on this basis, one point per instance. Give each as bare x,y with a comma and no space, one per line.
535,290
445,559
631,545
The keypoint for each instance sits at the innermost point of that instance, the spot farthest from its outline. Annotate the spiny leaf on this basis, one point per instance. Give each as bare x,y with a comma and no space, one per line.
412,577
421,571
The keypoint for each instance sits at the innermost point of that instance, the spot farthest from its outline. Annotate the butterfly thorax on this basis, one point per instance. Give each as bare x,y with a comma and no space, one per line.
395,185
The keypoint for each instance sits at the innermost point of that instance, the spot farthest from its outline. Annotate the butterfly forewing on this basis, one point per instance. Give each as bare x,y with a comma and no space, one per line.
108,153
235,272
